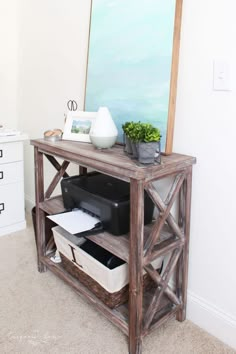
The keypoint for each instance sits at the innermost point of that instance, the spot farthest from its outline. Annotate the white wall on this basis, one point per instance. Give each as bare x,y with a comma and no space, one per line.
53,55
8,63
53,41
205,127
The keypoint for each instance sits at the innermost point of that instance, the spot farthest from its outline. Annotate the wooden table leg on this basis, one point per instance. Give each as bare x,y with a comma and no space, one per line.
182,267
136,266
40,217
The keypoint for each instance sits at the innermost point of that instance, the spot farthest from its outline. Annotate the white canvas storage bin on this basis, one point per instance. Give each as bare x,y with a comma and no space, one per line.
84,267
110,279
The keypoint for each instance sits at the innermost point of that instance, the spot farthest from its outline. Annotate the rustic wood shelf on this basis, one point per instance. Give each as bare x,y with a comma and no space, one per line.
168,235
119,246
53,205
120,319
120,314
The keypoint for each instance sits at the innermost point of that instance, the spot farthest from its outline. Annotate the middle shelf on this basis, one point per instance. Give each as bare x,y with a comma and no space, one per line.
118,245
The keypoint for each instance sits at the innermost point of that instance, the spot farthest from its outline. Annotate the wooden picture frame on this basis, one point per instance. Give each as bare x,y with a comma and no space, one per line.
78,125
104,85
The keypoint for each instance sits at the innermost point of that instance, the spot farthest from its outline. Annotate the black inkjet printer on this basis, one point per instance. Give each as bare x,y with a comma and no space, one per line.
104,196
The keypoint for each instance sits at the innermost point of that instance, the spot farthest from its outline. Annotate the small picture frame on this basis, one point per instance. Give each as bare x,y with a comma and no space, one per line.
78,125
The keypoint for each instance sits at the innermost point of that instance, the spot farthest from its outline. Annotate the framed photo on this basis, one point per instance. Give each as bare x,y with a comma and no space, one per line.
133,62
77,126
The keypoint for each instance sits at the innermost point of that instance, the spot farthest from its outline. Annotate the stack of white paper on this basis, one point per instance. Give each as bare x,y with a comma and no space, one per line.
75,221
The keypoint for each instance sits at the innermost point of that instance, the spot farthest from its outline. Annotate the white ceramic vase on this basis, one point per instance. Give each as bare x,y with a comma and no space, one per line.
103,133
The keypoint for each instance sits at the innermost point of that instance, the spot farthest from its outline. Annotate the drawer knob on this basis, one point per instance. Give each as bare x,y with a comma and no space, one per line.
1,153
1,207
1,174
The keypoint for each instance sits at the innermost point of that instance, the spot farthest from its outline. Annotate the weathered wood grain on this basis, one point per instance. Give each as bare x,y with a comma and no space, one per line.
162,207
182,266
112,161
40,218
161,288
159,281
53,206
56,179
136,266
146,310
55,163
116,316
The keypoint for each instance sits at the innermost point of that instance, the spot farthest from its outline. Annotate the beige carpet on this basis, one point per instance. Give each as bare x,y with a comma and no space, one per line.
41,314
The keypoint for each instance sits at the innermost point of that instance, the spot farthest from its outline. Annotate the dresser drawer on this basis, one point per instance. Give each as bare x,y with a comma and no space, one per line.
11,204
11,172
10,152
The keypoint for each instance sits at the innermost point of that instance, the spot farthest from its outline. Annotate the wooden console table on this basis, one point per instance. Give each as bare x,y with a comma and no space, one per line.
168,235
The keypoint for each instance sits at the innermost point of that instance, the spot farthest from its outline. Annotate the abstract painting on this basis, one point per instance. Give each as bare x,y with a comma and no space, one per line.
133,61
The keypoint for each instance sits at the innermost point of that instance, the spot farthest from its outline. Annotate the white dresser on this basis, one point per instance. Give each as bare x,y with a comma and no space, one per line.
12,210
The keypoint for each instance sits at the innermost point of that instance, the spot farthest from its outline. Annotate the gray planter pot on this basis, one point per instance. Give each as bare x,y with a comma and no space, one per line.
134,149
148,151
128,147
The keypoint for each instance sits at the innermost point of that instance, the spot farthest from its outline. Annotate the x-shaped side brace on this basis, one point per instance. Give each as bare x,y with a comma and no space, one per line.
162,288
165,215
175,248
61,172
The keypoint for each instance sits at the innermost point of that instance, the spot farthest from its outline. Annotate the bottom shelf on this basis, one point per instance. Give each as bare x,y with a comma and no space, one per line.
120,315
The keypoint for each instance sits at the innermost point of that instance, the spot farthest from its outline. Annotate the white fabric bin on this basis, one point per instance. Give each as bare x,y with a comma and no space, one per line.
110,279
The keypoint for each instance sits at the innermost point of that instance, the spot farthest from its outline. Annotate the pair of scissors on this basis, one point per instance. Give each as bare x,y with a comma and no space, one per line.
72,105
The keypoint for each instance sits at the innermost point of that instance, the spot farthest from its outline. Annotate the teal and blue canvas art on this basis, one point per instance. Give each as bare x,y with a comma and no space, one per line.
130,58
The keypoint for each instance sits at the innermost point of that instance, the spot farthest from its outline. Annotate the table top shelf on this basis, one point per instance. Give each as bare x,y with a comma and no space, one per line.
114,161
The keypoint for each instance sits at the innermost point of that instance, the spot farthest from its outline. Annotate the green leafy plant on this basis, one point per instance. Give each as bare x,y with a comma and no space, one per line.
126,127
150,133
141,132
131,130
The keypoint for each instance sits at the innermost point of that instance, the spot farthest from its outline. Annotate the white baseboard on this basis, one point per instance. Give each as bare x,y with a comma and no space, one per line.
212,319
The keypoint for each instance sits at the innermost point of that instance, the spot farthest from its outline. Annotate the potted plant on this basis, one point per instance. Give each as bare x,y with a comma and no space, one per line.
133,133
149,143
145,140
127,142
